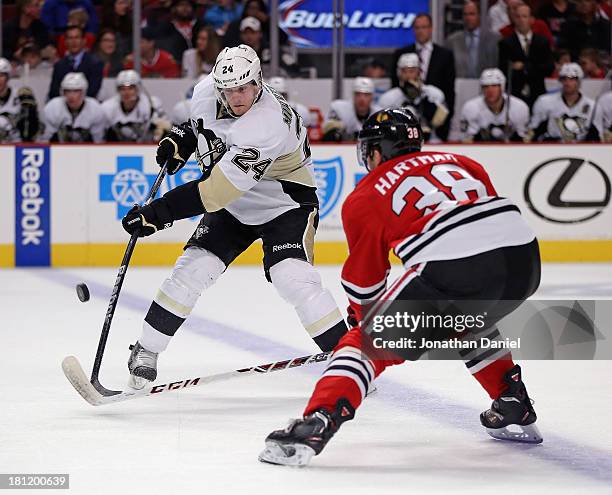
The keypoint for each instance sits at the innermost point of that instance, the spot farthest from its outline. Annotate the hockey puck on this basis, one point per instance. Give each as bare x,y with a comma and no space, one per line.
82,292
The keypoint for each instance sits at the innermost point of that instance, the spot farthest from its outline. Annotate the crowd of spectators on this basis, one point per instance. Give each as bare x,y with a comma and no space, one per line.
182,38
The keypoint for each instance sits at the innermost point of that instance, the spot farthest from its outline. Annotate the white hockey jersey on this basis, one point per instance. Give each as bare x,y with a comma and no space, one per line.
480,123
266,170
602,119
344,111
62,126
562,123
9,113
136,125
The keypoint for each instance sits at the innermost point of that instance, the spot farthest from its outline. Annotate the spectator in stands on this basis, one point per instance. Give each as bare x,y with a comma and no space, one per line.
55,14
423,100
257,9
177,35
498,15
25,28
32,62
251,35
201,59
490,117
18,110
77,60
591,64
76,17
437,65
221,14
117,16
538,26
73,117
585,30
563,116
602,119
561,57
473,49
345,118
526,58
156,11
555,13
155,62
107,51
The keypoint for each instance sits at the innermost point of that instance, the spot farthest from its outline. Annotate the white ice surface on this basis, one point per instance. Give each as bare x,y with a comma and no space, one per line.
419,434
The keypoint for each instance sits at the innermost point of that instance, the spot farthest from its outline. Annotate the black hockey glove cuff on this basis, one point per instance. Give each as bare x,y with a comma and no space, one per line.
176,148
148,219
351,319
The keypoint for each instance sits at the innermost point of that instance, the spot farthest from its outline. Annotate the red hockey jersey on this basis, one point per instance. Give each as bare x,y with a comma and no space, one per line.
424,206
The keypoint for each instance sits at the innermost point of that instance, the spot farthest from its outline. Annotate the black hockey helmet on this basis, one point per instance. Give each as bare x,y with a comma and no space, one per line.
392,131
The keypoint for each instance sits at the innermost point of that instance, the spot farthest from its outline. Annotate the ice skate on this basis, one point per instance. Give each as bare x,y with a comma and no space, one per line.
142,365
304,438
512,416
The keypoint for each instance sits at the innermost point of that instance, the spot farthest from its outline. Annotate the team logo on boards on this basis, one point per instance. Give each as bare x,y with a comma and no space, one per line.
32,211
567,190
329,178
128,186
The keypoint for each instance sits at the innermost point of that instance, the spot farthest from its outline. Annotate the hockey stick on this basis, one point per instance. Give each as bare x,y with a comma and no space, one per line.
75,374
110,312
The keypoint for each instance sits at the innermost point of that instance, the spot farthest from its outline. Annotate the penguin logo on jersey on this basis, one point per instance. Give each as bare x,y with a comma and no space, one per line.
567,190
329,179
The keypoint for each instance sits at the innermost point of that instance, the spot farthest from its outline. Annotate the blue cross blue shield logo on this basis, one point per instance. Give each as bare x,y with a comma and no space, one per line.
127,186
329,178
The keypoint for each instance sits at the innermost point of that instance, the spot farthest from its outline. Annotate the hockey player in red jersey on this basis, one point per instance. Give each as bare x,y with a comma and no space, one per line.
457,239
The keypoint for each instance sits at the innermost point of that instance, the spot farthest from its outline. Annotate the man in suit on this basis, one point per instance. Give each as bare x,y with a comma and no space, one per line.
437,65
474,49
77,60
526,58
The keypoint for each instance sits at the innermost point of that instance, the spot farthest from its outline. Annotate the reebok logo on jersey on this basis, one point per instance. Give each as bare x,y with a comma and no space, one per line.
287,245
178,131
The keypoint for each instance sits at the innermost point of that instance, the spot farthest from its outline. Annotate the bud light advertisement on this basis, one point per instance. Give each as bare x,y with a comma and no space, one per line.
367,23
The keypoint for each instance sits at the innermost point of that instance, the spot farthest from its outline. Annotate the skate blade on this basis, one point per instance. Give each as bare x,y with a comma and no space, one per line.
373,390
137,382
525,434
296,455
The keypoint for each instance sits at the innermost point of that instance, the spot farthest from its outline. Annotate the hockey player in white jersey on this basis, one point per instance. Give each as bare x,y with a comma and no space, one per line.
564,116
18,109
73,117
602,119
424,100
490,117
257,183
346,117
132,114
280,84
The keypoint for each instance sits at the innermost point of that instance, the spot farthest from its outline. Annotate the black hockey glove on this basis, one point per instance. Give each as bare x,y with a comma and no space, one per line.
176,148
148,219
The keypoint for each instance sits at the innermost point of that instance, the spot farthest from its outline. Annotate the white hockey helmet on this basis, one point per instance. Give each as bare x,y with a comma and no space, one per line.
492,77
571,70
408,60
74,81
235,67
5,67
363,85
278,84
127,78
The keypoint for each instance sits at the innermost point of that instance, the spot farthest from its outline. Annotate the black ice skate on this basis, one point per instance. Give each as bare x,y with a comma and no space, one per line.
511,416
142,365
304,438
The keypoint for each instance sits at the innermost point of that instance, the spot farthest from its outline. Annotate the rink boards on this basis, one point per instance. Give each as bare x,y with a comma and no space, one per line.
62,205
